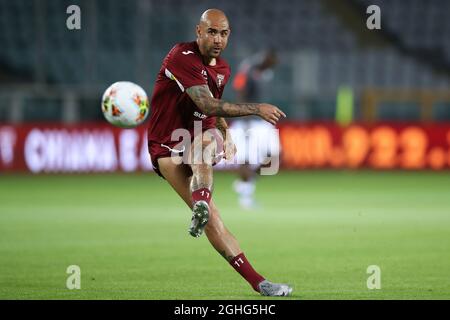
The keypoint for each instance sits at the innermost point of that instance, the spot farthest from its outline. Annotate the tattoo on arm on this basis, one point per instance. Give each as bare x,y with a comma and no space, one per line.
215,107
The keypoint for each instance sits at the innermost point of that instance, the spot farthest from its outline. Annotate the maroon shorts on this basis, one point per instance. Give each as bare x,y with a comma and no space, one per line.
164,150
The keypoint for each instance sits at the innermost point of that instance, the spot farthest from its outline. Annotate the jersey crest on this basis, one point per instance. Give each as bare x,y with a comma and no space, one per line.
220,78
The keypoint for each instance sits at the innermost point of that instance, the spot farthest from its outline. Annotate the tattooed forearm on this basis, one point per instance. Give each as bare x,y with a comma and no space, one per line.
215,107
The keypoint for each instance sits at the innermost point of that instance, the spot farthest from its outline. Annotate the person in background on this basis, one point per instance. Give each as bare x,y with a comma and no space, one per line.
254,75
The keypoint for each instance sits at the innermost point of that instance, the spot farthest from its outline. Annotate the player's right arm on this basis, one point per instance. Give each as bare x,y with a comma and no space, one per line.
211,106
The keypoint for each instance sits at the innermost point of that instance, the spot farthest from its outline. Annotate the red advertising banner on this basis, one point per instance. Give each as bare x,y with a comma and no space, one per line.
79,148
100,147
378,146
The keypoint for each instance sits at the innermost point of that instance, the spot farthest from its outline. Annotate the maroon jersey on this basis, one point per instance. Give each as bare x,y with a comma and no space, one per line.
171,107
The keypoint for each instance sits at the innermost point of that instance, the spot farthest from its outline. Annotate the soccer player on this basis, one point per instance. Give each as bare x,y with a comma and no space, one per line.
253,75
187,93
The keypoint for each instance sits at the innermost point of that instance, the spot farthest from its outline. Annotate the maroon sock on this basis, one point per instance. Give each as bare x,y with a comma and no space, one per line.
201,194
245,269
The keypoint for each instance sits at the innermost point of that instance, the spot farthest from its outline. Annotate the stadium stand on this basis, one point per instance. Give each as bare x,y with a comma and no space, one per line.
126,40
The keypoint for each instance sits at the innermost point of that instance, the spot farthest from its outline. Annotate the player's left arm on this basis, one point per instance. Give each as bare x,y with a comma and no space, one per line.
229,146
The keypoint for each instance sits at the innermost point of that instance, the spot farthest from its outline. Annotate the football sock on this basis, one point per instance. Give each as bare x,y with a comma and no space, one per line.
201,194
245,269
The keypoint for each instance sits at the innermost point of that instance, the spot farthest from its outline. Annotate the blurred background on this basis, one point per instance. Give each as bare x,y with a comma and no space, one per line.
331,67
365,151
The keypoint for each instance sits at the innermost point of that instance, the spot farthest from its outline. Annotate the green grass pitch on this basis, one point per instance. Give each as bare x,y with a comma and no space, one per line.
317,230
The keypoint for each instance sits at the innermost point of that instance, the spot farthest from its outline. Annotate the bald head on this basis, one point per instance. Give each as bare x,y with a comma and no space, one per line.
212,33
213,16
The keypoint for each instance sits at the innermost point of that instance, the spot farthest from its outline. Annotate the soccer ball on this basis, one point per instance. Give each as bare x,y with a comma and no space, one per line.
125,104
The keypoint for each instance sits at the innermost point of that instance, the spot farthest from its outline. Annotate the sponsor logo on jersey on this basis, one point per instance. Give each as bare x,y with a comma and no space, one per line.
187,52
199,115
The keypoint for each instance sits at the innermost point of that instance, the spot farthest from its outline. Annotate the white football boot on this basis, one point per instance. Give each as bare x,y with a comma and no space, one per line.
267,288
200,217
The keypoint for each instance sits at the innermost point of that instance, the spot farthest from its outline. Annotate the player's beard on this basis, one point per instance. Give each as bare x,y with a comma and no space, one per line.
214,53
